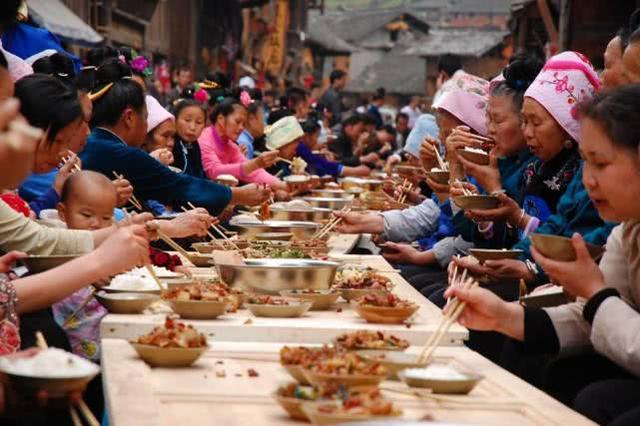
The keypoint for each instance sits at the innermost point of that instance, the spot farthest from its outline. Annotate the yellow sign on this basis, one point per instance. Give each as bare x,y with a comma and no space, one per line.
274,47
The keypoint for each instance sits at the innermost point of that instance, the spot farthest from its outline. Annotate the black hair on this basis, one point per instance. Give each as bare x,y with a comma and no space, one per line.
254,107
183,67
96,57
255,93
402,115
381,92
58,65
310,126
3,61
518,76
449,63
8,13
184,103
295,96
368,119
353,120
225,108
613,110
389,129
125,92
47,103
336,75
277,113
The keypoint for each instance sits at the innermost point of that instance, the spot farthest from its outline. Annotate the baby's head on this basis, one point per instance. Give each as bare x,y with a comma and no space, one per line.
87,201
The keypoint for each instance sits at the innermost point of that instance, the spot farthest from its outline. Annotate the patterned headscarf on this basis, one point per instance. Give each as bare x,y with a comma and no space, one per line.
156,114
566,80
425,126
467,101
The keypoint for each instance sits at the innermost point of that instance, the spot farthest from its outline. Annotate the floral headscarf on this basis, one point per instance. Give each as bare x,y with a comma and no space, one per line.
467,101
566,80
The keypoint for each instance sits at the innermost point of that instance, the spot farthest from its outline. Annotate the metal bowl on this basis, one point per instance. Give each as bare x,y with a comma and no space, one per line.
366,184
315,214
329,202
331,193
274,275
409,170
125,303
561,248
37,264
274,236
474,157
300,230
477,202
459,386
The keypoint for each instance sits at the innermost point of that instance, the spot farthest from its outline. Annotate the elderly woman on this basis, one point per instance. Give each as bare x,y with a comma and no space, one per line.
605,317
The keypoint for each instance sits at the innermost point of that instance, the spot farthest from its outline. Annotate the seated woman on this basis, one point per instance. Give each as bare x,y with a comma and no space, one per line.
221,154
191,118
605,317
119,128
161,131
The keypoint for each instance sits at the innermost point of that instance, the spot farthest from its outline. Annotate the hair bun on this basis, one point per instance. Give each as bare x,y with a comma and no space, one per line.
521,71
111,71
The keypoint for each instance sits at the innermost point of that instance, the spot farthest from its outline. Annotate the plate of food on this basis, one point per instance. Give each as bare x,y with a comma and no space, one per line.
210,246
172,345
475,155
125,303
357,406
295,358
53,370
385,309
561,248
321,300
292,395
197,301
494,254
358,284
440,378
365,339
347,369
477,202
394,361
276,307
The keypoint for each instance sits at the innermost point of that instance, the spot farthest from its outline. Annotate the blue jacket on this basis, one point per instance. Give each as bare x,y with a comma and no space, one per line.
105,153
318,164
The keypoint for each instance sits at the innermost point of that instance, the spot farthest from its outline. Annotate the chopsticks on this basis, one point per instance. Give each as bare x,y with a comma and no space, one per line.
441,163
215,228
465,191
330,225
404,191
137,204
447,321
284,160
67,159
75,313
149,267
84,409
184,209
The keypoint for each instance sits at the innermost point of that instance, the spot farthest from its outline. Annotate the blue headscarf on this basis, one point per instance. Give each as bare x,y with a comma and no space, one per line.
425,127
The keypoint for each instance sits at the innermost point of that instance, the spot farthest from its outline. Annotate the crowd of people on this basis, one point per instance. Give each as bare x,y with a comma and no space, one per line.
80,143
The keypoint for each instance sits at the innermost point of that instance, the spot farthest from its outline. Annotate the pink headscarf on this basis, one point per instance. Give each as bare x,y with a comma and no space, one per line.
156,114
17,67
566,80
467,101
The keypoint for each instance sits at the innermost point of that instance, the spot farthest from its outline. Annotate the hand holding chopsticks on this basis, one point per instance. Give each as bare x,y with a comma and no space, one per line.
219,231
330,225
133,200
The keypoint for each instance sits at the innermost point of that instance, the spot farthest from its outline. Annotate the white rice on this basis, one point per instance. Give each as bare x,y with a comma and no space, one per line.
50,363
133,283
435,372
476,150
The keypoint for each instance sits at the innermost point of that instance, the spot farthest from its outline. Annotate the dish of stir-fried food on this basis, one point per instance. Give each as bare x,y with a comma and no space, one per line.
348,363
363,339
362,403
309,393
275,253
174,334
368,280
385,301
269,300
208,291
301,355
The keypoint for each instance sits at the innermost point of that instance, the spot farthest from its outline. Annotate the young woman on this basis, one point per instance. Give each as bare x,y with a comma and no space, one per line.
221,154
119,128
254,128
605,318
191,118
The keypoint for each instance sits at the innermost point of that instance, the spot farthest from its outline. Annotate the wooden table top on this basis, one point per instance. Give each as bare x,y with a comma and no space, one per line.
137,394
313,327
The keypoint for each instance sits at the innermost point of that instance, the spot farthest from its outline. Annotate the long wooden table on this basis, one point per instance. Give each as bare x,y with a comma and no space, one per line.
137,394
313,327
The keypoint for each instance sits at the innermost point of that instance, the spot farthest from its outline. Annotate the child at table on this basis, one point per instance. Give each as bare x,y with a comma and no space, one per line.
87,202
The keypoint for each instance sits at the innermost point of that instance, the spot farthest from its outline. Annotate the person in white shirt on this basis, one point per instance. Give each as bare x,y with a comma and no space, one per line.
412,110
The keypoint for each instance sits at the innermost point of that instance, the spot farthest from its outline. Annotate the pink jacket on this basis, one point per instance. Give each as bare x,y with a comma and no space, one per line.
220,156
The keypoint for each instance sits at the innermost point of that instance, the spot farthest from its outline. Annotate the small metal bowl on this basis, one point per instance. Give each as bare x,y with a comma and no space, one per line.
494,254
331,193
274,275
394,361
198,309
125,303
168,357
329,202
385,315
408,170
37,264
300,230
561,248
362,183
295,309
350,294
315,214
446,386
474,157
211,246
477,202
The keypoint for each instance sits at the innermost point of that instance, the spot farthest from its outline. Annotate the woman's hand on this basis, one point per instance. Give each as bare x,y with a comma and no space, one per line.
505,269
282,195
458,188
9,259
356,223
265,160
428,153
487,176
192,222
127,248
508,210
163,155
484,311
124,191
401,253
581,277
438,188
65,171
250,195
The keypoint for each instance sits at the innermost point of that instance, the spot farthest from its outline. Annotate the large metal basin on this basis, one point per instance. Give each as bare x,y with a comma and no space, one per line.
331,193
274,275
328,202
314,214
300,230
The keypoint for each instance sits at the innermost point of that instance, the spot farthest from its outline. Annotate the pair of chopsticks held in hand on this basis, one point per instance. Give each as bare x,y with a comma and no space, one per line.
82,406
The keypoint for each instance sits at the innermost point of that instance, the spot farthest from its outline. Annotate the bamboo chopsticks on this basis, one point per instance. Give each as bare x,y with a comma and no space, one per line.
447,321
137,204
218,230
330,225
